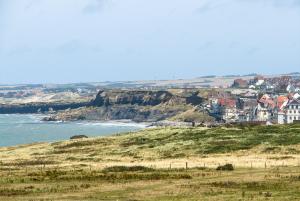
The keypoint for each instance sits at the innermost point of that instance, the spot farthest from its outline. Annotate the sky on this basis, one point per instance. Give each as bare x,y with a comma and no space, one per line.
64,41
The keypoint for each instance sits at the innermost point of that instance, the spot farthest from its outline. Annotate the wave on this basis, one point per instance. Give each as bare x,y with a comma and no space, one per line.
21,118
37,119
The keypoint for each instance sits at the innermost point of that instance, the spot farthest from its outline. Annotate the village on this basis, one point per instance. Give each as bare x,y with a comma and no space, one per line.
262,100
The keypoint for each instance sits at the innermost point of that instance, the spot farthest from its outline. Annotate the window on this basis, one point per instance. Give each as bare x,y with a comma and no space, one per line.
295,118
295,111
291,118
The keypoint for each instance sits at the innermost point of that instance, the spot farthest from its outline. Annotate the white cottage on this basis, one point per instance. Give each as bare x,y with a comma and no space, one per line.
293,111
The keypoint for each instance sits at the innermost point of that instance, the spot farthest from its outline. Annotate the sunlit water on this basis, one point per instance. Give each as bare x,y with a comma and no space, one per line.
23,129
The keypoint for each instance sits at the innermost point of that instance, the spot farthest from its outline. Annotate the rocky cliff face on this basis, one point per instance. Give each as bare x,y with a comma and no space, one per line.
117,112
32,108
141,98
144,98
139,106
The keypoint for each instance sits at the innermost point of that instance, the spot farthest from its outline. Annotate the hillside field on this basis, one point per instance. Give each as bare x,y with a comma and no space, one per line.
158,164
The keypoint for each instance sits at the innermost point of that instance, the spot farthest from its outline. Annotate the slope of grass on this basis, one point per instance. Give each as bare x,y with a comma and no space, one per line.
158,164
160,144
158,184
182,142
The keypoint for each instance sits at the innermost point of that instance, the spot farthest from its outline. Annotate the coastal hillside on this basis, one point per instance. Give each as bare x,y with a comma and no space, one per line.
155,144
140,106
227,163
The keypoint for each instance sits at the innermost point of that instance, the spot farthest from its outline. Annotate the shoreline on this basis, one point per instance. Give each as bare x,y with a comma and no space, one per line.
117,122
24,129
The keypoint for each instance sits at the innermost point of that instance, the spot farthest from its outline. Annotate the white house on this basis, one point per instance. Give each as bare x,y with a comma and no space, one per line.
263,113
259,82
293,111
290,88
281,117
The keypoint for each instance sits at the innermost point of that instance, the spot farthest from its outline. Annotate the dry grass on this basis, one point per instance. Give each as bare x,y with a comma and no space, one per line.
151,165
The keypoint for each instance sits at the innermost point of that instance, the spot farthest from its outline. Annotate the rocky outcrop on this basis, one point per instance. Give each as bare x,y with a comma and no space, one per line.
135,105
145,98
142,98
76,137
31,108
138,106
117,112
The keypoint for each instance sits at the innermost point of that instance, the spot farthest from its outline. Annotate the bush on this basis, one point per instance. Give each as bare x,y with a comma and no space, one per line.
127,169
227,167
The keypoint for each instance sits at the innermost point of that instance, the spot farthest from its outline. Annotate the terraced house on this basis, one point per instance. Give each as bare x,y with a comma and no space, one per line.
293,111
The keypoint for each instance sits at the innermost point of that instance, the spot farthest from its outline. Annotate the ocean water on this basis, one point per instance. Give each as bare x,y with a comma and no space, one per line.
18,129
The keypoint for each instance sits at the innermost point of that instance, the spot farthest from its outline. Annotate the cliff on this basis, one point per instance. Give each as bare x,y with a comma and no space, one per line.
137,105
144,98
31,108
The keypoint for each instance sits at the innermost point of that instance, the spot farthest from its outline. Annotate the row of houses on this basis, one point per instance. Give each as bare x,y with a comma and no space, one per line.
280,84
275,109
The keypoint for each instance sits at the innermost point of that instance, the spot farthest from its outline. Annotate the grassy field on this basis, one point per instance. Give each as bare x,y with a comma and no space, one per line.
158,164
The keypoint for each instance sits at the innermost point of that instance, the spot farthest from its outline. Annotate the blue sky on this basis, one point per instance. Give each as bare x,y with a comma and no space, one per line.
59,41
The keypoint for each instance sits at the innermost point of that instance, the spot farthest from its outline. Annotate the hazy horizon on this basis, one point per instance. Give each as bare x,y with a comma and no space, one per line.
148,80
71,41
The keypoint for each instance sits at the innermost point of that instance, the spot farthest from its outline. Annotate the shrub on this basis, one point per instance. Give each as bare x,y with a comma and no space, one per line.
227,167
127,169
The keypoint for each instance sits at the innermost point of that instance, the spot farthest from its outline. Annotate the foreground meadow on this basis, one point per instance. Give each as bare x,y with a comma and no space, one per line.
158,164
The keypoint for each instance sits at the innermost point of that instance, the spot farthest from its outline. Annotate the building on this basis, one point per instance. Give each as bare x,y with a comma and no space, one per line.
279,111
240,83
293,111
265,108
290,89
228,109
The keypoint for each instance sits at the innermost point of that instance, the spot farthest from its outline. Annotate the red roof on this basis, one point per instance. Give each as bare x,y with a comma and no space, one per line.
227,102
281,100
267,101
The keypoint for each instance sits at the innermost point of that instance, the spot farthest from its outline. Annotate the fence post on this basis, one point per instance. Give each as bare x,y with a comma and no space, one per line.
186,165
265,164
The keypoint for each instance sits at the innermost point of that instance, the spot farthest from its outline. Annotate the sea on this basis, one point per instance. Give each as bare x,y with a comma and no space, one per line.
17,129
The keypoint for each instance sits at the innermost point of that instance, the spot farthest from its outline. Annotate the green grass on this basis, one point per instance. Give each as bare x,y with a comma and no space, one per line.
140,183
173,142
123,167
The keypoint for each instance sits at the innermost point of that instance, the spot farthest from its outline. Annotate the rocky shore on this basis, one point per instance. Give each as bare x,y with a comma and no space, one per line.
32,108
135,105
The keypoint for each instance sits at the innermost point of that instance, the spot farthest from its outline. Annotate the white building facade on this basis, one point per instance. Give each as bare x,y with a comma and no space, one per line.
293,111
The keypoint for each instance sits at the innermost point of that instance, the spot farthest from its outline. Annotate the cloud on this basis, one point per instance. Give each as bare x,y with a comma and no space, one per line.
31,3
94,6
275,3
206,46
215,4
76,46
253,50
283,3
210,5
